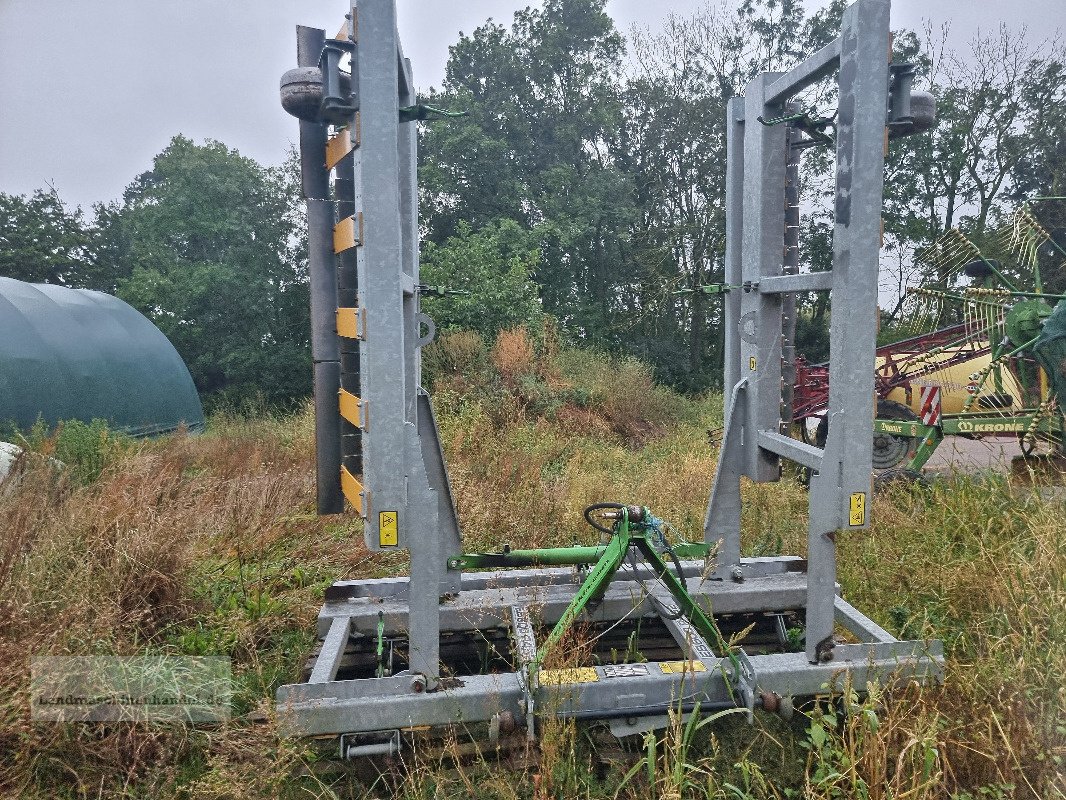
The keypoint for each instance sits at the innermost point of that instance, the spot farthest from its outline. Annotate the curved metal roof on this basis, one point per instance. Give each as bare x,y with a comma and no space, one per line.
80,354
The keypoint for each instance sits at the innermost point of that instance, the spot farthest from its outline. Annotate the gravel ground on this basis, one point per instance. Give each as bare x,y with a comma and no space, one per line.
956,454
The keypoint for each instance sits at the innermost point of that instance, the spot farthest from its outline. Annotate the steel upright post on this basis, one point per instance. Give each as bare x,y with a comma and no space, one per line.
381,276
403,507
734,235
840,490
763,256
791,267
407,147
762,223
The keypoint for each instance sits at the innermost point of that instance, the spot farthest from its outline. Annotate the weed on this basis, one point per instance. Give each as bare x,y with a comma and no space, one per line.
458,353
80,449
671,770
513,355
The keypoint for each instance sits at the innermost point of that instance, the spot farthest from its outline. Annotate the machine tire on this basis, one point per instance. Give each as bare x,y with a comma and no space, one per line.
805,433
821,433
892,449
898,477
889,451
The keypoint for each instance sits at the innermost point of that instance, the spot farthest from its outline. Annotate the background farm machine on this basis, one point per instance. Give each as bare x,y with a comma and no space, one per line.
979,359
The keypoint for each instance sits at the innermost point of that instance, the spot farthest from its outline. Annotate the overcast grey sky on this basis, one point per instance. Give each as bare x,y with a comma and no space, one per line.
91,90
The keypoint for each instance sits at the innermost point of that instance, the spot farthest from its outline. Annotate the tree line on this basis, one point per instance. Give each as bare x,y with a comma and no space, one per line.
585,183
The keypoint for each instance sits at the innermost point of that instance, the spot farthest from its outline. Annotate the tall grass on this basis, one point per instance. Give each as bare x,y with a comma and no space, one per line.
210,545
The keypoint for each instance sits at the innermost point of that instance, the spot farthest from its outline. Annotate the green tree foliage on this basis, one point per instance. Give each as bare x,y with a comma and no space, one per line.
616,168
493,268
545,115
674,128
1041,170
1011,94
1001,108
1041,167
204,244
618,177
41,241
676,101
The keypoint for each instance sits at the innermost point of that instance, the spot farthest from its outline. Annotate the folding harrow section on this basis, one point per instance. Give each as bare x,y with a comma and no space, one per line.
626,630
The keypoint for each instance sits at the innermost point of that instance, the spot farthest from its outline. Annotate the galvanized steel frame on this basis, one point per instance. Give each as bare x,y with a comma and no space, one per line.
363,257
404,470
757,176
487,601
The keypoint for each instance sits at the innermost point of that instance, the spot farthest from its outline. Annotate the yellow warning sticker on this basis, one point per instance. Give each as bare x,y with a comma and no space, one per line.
751,363
857,512
558,677
674,667
387,529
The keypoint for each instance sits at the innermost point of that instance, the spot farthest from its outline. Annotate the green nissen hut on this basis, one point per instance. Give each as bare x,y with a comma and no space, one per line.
79,354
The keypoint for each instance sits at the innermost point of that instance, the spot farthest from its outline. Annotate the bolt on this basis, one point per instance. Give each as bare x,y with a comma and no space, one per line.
418,684
738,574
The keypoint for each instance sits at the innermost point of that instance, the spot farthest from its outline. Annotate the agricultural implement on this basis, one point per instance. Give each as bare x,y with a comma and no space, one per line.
642,623
983,368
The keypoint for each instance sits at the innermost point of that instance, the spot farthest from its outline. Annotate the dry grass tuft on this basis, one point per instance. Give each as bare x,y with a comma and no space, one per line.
513,355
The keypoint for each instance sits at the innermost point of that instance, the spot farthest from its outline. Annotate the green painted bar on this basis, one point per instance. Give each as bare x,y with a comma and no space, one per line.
925,449
548,557
559,556
691,550
966,423
1007,424
897,428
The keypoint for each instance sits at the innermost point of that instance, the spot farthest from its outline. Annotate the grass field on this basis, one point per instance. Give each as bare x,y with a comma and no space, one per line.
209,545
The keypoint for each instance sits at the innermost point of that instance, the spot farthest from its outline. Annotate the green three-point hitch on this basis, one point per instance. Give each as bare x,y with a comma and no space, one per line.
633,533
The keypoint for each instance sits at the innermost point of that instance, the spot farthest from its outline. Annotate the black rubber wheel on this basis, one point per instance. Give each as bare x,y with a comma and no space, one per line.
821,433
805,432
808,435
889,451
601,507
899,477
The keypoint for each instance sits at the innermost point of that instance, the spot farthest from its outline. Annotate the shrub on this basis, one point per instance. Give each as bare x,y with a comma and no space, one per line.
491,272
82,449
453,354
